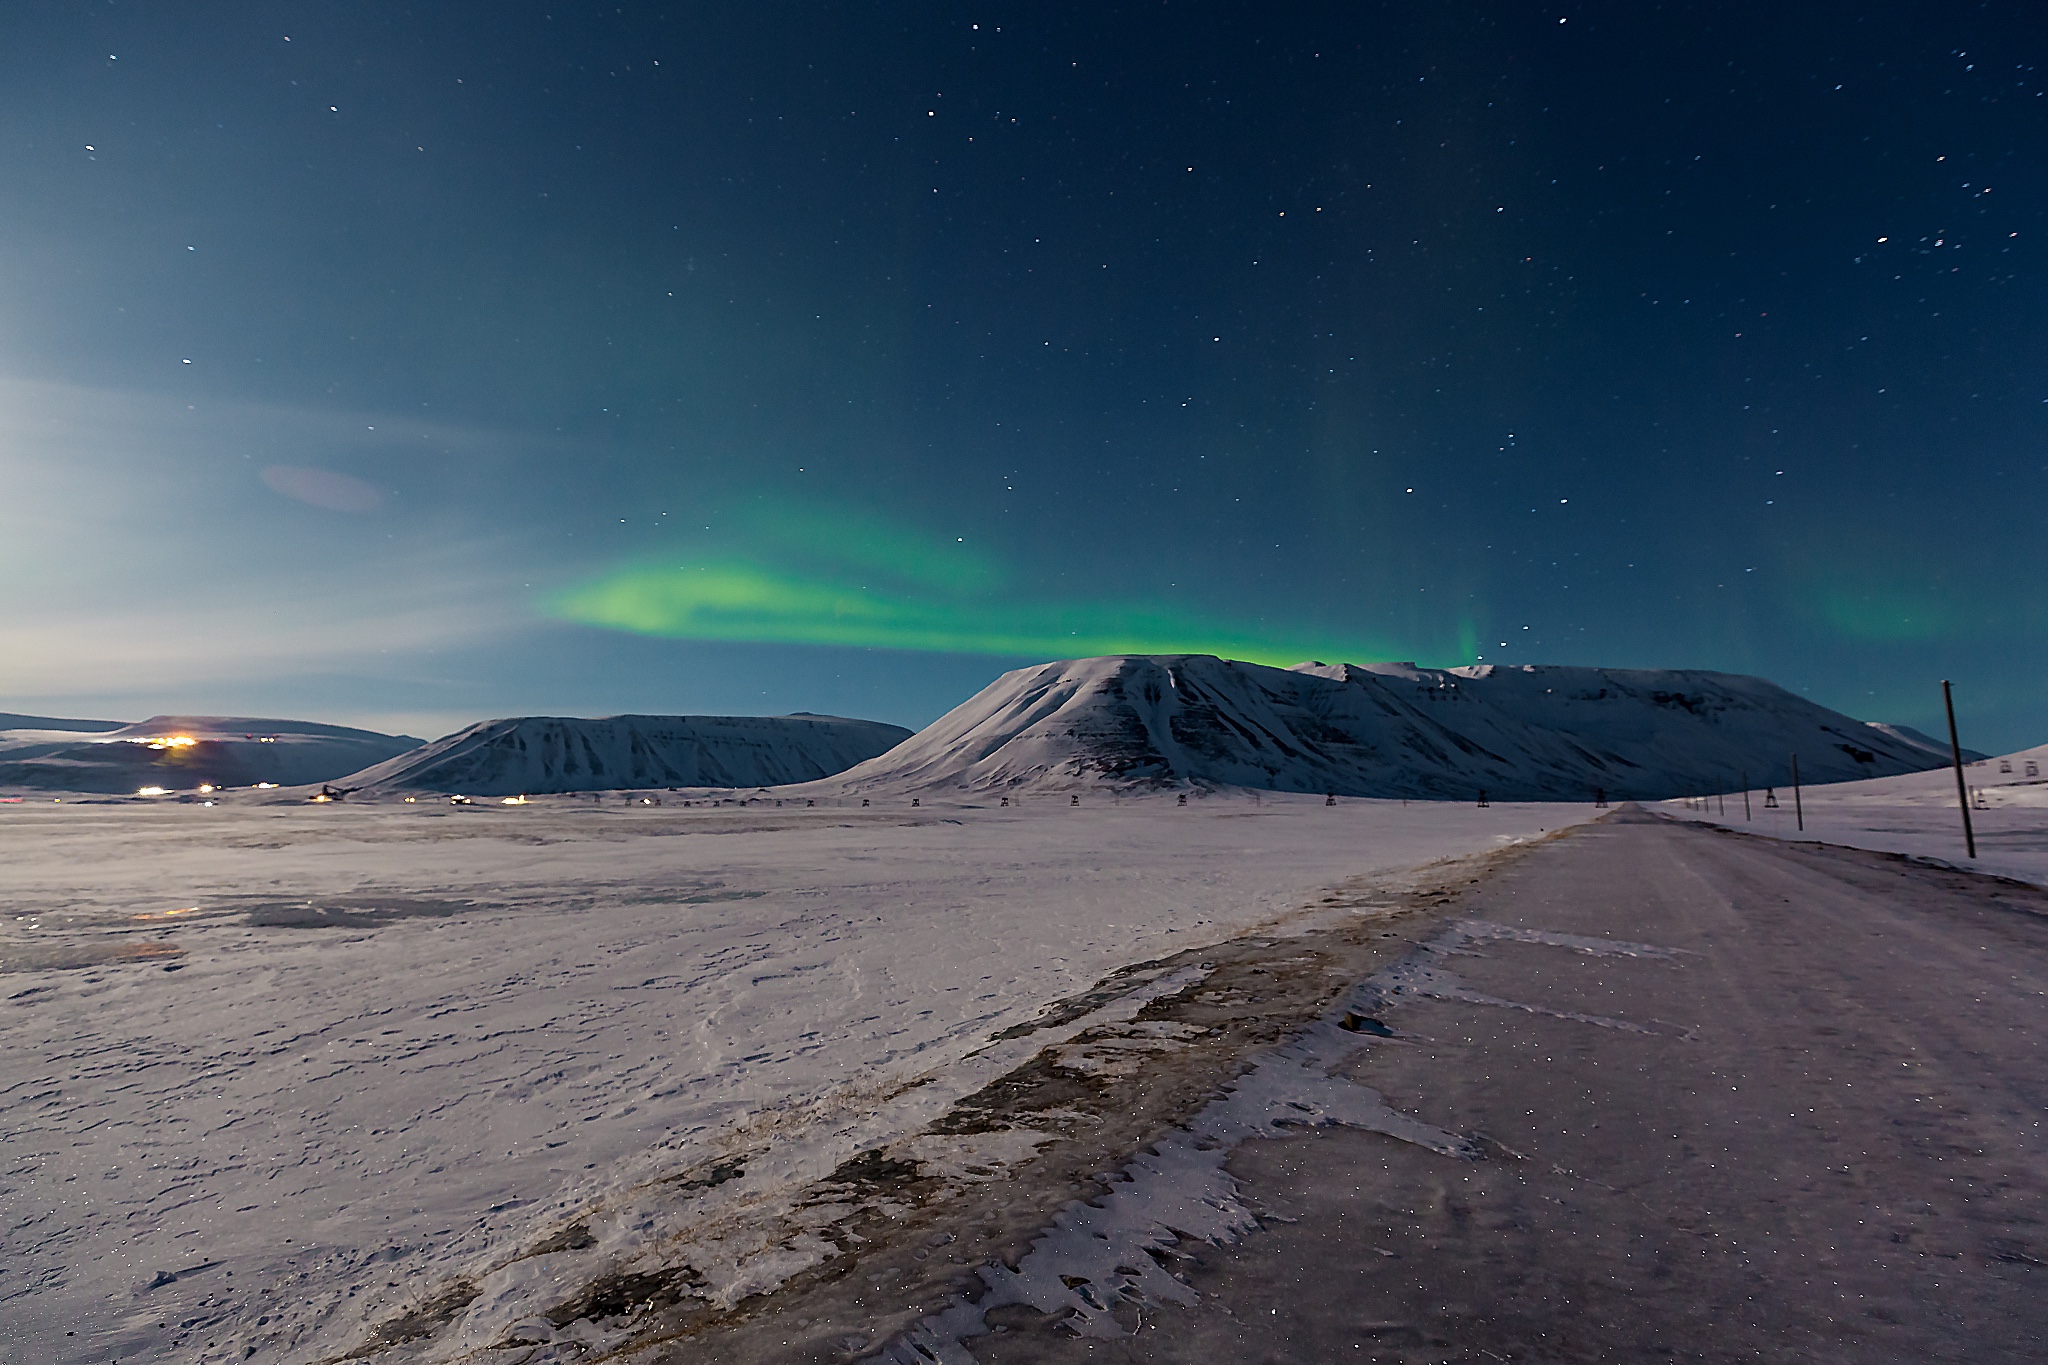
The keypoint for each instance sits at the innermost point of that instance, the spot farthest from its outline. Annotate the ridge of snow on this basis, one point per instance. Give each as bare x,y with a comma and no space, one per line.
1906,734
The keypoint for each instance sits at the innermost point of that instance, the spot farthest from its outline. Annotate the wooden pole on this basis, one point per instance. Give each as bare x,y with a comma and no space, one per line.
1798,810
1745,796
1955,750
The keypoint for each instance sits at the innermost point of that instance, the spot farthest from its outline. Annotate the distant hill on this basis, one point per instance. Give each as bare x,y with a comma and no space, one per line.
1911,736
11,721
534,755
31,736
1136,722
180,753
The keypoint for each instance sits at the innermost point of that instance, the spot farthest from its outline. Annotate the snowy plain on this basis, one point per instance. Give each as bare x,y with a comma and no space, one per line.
1917,814
268,1074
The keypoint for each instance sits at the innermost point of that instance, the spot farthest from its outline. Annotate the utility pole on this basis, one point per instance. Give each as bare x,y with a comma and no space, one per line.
1798,810
1955,750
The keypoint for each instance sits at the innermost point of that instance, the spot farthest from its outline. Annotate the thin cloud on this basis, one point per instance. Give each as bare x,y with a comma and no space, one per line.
144,544
323,488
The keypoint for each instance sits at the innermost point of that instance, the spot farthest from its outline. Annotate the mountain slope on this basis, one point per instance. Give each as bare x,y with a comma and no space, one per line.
539,754
179,753
11,721
1907,734
24,737
1390,730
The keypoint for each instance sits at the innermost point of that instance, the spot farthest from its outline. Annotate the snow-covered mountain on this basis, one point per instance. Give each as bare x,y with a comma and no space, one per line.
1393,729
179,753
539,754
1909,735
30,736
13,721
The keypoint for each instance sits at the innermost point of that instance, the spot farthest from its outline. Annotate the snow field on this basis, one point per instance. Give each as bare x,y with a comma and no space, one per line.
1915,813
404,1042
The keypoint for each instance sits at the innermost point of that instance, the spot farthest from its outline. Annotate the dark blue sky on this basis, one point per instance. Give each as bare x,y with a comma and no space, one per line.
412,365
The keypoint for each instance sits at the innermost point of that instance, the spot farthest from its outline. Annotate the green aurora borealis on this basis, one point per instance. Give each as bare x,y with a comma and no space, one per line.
776,357
741,601
810,576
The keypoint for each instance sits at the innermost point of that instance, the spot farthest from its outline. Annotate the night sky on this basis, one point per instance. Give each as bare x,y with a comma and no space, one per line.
406,366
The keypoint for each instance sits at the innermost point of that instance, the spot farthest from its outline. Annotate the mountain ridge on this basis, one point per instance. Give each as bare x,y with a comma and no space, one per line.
1526,732
185,752
537,755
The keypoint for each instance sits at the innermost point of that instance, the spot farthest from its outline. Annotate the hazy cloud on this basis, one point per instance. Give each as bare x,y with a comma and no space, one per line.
143,545
323,488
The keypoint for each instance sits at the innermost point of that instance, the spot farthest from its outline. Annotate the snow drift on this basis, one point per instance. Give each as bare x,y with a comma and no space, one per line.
179,753
534,755
1529,733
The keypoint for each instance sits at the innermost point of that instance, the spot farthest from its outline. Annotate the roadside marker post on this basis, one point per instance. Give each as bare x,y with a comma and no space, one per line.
1798,809
1955,750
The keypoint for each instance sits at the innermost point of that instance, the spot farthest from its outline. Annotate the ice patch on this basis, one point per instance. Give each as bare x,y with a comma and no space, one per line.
1117,1249
1425,974
1114,1249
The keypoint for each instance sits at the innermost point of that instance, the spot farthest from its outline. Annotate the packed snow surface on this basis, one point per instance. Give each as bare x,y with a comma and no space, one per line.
1919,814
274,1075
535,754
180,753
1389,730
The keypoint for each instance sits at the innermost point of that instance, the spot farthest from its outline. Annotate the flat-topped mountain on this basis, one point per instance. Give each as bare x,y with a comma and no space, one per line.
1389,730
32,736
534,755
180,753
12,722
